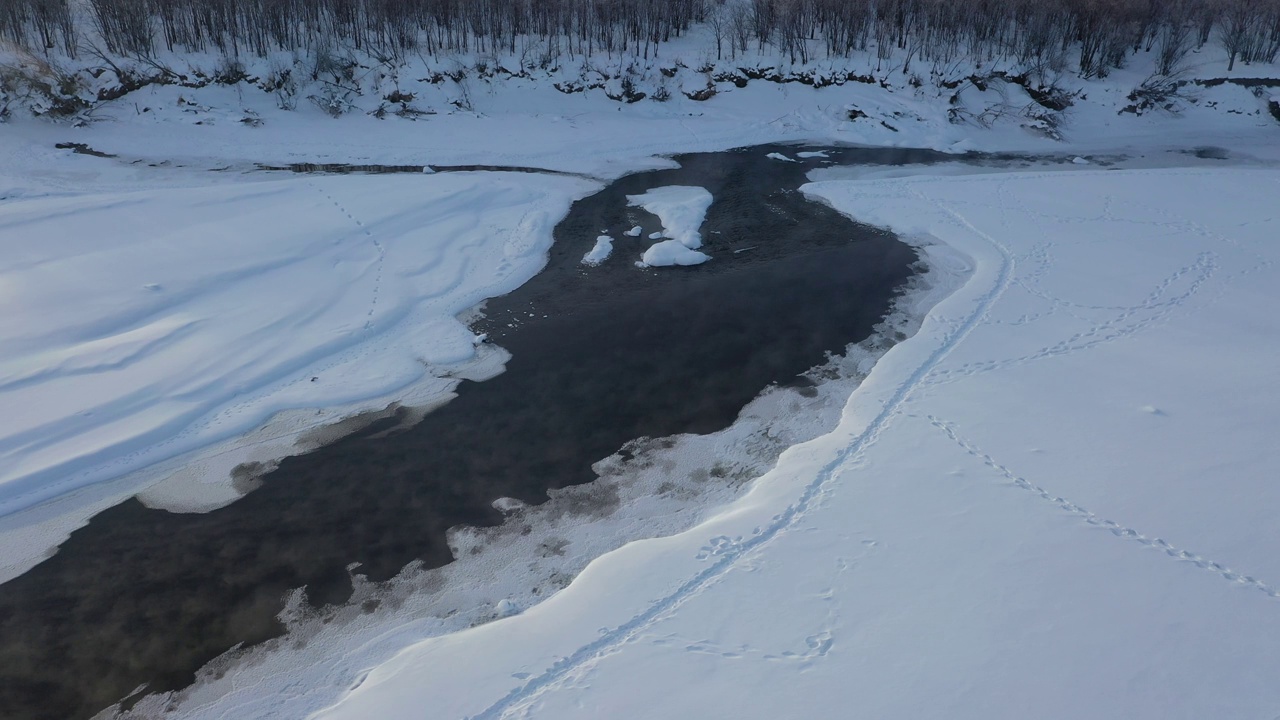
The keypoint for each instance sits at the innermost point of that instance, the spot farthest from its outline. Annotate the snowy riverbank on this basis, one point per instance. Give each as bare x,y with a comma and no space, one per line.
156,312
1055,500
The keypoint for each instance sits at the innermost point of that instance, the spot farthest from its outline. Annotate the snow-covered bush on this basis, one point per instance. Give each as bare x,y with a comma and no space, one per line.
281,82
40,87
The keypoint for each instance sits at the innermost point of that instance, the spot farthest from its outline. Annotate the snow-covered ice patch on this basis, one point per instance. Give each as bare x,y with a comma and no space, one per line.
680,208
599,252
812,154
672,252
634,232
779,156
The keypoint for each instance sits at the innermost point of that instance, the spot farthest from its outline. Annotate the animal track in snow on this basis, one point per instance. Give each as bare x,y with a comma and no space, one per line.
1116,529
381,252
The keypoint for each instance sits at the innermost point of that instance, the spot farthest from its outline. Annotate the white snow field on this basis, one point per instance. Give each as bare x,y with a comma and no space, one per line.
1056,500
143,325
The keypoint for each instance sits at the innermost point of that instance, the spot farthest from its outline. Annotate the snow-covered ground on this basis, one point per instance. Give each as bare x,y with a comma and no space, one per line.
141,326
1053,501
1056,500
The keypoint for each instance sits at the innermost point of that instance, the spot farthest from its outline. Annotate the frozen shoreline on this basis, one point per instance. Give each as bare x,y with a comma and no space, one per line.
324,298
654,487
945,550
525,127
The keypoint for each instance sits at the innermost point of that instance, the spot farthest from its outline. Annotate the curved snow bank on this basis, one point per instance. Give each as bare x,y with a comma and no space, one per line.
1055,500
650,488
144,325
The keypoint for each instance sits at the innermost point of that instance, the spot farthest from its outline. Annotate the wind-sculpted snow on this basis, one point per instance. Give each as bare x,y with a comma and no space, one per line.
1110,360
143,325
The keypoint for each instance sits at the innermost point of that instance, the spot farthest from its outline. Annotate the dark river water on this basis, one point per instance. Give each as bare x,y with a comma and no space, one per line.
600,356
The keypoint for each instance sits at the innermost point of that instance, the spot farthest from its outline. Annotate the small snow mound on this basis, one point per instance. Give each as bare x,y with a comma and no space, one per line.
599,253
779,156
428,170
1152,410
634,232
1080,161
505,608
672,252
151,286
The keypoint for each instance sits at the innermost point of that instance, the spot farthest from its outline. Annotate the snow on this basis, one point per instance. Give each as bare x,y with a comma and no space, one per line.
1055,500
672,252
634,232
779,156
680,208
1079,160
599,252
143,325
1111,350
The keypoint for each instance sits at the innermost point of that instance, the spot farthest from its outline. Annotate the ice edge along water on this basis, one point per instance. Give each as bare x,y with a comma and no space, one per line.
662,489
584,666
728,554
353,285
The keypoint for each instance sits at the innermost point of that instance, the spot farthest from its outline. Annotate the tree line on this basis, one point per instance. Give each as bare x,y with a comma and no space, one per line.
1090,36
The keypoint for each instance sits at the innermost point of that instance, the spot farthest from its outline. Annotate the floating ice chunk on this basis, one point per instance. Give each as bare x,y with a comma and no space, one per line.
681,209
812,154
672,252
779,156
1079,161
634,232
655,235
599,253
